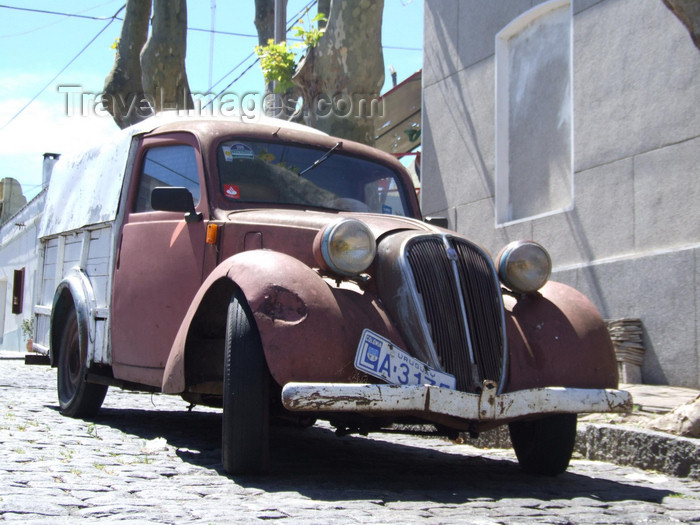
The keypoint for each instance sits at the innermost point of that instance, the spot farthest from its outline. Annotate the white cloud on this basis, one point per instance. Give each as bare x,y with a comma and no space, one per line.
45,126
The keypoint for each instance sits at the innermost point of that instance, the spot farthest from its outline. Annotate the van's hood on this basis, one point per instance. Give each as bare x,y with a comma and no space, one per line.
379,224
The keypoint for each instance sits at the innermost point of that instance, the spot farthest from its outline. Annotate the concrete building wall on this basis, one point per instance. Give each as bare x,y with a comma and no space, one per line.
632,237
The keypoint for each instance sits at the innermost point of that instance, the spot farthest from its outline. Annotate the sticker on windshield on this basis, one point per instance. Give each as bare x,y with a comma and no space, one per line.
232,191
386,210
238,151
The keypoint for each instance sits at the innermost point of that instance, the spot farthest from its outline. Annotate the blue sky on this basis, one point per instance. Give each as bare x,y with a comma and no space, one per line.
34,47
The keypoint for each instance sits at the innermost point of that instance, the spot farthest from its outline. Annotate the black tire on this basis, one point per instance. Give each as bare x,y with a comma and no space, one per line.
76,397
246,418
544,446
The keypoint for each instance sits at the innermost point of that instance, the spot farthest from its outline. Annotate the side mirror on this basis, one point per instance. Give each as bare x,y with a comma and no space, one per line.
437,221
175,199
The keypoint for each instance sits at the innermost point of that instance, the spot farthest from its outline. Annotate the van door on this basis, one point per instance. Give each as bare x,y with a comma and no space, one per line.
159,261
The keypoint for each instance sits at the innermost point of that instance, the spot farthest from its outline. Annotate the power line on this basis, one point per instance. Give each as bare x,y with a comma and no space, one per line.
59,13
235,79
234,69
64,67
218,32
195,29
103,18
110,20
290,21
114,17
54,22
402,48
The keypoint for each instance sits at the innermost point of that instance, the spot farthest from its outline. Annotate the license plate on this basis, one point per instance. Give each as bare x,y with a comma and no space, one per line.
380,358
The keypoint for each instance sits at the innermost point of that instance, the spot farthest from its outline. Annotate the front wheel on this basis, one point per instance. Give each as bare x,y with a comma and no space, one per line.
544,446
245,428
76,397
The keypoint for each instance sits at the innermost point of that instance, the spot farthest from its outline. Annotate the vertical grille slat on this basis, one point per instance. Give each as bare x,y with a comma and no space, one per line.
439,291
443,329
484,310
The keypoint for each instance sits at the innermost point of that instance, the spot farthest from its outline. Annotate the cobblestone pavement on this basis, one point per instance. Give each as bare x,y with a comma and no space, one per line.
147,459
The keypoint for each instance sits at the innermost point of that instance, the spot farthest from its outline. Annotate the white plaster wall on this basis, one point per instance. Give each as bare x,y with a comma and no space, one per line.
18,250
631,241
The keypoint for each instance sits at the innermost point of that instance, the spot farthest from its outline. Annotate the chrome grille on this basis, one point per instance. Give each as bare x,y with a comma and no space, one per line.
461,298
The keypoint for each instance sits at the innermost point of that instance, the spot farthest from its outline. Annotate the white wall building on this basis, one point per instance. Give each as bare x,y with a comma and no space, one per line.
575,123
18,266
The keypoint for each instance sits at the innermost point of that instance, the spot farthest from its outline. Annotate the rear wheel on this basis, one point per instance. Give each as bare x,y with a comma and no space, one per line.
544,446
245,429
76,397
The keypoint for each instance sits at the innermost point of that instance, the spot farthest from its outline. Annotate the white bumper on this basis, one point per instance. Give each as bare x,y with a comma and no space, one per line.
422,399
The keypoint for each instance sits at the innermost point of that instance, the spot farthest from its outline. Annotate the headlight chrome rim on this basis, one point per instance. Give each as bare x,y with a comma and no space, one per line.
524,266
348,247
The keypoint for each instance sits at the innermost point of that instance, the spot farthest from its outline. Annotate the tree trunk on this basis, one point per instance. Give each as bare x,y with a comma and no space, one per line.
324,6
163,58
280,105
340,79
688,12
123,92
265,20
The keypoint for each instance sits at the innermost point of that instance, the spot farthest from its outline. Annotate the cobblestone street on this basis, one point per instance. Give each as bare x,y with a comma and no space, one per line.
146,458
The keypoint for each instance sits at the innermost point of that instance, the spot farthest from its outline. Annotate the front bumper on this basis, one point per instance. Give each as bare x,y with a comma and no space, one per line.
431,402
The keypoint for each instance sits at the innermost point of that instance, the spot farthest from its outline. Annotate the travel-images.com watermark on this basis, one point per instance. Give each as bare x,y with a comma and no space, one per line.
248,106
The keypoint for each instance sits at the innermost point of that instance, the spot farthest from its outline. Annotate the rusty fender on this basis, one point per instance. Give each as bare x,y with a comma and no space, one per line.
75,288
557,338
309,328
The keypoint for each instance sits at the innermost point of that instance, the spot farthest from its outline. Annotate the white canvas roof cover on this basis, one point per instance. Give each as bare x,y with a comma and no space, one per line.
85,187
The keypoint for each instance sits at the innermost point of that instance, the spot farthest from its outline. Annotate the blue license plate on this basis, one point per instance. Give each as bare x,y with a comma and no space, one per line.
380,358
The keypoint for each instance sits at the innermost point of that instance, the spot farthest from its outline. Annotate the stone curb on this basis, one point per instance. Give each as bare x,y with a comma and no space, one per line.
637,447
621,445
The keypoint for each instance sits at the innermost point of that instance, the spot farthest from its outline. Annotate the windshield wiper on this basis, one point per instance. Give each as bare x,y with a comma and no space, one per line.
322,158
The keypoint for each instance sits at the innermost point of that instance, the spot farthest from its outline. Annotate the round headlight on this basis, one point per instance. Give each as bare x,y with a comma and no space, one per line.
524,266
348,246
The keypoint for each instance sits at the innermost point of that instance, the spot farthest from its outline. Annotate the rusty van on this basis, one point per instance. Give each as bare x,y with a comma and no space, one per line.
283,274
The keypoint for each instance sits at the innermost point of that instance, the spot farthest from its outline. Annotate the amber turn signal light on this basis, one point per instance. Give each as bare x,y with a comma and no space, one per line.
212,233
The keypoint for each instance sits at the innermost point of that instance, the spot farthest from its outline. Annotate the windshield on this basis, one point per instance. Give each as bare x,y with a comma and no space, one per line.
268,172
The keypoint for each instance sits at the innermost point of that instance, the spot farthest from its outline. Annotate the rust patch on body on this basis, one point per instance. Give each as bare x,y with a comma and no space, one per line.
283,305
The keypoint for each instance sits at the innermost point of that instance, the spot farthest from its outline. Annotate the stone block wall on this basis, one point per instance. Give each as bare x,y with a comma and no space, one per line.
632,237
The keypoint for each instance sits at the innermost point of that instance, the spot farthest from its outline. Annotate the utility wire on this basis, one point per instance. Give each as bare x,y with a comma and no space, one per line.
60,13
235,79
55,22
114,17
232,70
102,18
64,67
196,29
110,20
290,23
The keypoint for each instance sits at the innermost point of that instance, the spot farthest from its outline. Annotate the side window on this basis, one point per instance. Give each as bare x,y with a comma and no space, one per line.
167,166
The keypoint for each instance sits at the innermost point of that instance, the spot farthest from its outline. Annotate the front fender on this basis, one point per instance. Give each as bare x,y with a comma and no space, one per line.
558,338
309,329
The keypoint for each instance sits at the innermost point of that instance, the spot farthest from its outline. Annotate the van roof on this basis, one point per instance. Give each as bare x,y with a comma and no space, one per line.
85,187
